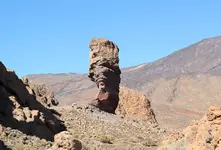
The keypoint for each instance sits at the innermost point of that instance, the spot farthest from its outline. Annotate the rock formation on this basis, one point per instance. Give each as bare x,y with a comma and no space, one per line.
42,92
65,141
20,108
203,134
11,83
104,70
135,104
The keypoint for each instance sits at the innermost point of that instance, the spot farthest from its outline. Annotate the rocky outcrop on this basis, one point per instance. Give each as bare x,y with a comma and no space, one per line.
11,83
20,108
65,141
133,103
42,92
203,134
104,70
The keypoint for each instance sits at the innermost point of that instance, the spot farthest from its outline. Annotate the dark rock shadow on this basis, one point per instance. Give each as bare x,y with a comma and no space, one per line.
78,145
55,112
3,147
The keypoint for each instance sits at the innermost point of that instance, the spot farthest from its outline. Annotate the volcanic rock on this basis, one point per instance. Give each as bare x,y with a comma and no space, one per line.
203,134
42,92
21,108
134,103
65,141
104,70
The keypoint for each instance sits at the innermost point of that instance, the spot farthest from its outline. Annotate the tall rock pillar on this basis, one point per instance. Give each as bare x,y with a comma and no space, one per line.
105,72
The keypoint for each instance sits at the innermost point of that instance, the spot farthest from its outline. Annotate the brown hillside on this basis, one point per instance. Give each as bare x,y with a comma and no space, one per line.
179,100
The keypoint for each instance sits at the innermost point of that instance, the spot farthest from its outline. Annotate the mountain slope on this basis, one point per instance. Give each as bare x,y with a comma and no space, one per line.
203,57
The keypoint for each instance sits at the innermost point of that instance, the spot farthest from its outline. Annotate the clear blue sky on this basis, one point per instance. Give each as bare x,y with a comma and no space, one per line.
52,36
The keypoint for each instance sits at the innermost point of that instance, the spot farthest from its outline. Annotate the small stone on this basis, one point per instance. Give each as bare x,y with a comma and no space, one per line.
209,138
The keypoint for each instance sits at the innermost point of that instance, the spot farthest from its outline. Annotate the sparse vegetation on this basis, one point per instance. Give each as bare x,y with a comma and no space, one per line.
150,143
99,130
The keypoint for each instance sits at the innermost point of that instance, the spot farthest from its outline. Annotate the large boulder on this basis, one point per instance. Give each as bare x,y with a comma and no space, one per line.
104,70
65,141
135,104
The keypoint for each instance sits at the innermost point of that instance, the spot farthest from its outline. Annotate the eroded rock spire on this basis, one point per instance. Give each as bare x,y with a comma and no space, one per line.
104,70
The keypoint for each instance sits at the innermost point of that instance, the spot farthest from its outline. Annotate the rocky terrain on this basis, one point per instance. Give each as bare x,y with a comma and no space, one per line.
203,134
180,86
167,95
31,119
100,130
24,110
